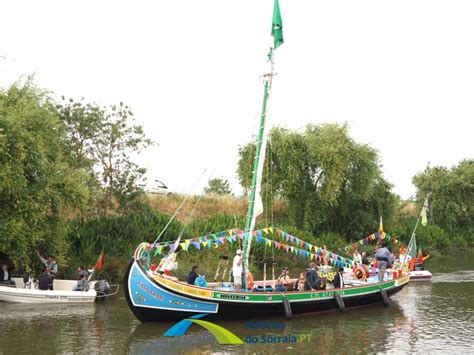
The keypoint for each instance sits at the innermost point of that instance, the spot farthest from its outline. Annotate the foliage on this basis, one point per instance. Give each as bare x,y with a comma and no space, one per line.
452,199
218,186
118,236
59,161
331,183
38,185
103,138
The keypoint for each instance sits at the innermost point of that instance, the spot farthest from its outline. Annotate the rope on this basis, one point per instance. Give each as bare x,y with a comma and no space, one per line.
180,206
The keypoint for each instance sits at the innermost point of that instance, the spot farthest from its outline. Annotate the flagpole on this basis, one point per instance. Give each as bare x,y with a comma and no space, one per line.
412,238
254,194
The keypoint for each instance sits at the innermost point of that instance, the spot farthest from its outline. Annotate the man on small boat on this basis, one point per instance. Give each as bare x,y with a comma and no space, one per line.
45,281
82,283
51,265
5,276
237,269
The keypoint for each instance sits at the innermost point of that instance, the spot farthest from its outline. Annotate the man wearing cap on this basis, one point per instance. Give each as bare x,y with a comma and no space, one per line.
237,269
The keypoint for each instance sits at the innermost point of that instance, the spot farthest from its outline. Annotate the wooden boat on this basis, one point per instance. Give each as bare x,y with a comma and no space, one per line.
154,298
157,297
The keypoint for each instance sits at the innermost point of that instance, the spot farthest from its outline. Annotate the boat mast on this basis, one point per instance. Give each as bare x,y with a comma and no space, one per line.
255,207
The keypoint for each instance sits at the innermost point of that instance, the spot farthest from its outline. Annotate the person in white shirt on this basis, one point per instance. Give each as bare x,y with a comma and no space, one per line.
237,269
4,274
357,258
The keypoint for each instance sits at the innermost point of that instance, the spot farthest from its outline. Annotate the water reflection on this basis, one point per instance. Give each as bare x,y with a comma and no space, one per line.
363,328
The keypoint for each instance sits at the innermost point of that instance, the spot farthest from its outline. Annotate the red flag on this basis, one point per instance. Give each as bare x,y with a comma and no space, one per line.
98,265
420,257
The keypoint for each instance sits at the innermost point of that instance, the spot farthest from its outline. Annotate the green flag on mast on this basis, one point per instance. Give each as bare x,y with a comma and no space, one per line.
277,26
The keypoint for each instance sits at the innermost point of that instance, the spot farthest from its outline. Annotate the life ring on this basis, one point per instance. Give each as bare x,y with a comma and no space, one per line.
360,274
250,281
200,281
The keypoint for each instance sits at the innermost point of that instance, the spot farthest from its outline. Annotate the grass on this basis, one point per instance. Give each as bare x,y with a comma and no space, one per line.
208,206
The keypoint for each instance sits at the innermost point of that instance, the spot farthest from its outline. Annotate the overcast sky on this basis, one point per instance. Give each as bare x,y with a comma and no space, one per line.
401,73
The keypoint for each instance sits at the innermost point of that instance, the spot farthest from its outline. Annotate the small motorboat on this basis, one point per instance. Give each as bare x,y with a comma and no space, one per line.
62,293
420,275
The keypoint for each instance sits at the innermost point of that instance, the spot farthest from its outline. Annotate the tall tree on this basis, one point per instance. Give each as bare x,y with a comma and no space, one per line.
38,185
218,186
330,182
452,199
104,139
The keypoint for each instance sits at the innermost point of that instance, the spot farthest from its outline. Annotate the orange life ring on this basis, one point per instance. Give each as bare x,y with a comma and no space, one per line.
250,281
360,274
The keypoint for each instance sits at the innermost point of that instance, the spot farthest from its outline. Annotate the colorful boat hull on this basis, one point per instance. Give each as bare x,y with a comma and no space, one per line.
155,299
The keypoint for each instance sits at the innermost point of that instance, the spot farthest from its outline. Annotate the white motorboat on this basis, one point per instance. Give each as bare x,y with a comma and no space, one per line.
420,275
62,293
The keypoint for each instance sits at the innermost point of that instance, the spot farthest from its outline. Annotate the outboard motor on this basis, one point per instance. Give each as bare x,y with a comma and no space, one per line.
419,267
102,288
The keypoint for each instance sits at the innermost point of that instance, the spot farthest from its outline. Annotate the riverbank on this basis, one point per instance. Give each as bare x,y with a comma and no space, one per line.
118,236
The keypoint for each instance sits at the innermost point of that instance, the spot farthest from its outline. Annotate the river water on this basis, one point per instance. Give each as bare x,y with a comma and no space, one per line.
432,317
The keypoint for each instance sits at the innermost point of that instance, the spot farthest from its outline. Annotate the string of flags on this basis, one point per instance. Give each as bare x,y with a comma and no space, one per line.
299,247
368,239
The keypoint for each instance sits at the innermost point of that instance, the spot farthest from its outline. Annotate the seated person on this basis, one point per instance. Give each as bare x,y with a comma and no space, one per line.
44,279
312,278
284,279
365,260
301,282
193,275
313,281
83,282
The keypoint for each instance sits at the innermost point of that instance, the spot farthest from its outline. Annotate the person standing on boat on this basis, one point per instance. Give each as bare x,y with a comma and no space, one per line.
339,278
51,265
383,259
237,269
193,275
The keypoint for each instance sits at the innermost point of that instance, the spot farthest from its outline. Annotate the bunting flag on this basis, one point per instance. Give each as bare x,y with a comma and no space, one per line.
300,247
364,241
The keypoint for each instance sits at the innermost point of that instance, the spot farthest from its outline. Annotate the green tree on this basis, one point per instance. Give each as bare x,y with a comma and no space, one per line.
218,186
331,183
102,140
452,199
38,185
